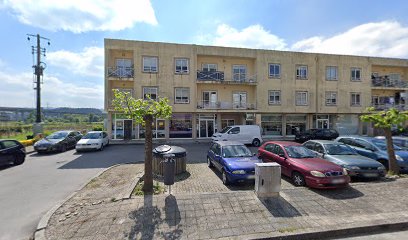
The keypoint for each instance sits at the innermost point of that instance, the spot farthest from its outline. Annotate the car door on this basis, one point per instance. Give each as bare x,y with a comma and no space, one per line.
5,155
234,134
71,140
105,138
281,159
8,150
265,153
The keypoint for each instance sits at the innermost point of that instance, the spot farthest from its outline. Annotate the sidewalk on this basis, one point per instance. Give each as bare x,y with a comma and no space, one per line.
204,211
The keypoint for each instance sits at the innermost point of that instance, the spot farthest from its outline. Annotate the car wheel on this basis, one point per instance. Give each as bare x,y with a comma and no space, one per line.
225,180
209,163
63,148
256,142
18,159
298,179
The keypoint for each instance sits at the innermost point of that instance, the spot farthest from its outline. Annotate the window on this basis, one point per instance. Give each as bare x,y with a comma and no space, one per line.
124,68
301,72
331,73
227,122
355,74
181,65
239,72
182,95
151,91
331,98
301,98
355,99
274,70
150,64
234,130
274,97
209,67
271,124
9,144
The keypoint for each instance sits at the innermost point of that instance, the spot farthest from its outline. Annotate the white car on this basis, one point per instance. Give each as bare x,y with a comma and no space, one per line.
94,140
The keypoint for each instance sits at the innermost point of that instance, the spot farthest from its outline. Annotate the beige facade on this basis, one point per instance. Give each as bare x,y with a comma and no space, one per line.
283,92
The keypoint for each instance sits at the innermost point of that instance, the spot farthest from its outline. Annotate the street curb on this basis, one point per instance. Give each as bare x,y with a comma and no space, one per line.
39,233
128,194
345,232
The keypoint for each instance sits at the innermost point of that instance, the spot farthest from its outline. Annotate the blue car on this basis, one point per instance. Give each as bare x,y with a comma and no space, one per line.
234,160
376,149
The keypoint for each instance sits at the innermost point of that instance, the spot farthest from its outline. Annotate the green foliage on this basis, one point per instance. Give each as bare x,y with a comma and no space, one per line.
385,119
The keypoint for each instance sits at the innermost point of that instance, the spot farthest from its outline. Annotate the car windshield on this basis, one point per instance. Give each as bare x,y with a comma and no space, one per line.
92,136
224,130
339,149
299,152
57,135
382,144
236,151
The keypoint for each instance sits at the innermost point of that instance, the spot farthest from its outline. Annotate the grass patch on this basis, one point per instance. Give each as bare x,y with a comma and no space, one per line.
93,183
287,230
157,189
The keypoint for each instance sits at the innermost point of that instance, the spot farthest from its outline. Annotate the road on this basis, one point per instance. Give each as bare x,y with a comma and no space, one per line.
28,191
401,235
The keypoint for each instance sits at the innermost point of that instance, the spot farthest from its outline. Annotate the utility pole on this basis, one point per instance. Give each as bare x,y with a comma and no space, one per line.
38,71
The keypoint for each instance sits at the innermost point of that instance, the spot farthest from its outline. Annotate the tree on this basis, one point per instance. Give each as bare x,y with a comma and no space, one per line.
143,111
385,120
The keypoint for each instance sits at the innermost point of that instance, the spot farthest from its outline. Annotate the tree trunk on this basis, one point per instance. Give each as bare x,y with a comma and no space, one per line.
148,174
392,161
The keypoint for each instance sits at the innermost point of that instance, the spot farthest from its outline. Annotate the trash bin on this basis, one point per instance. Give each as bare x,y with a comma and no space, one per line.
267,179
179,158
169,167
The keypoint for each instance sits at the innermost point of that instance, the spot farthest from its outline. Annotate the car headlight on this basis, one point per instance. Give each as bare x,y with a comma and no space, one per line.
381,168
317,174
95,144
345,173
238,172
398,157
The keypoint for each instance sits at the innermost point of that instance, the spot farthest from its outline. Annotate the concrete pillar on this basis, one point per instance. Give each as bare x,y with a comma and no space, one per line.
167,129
109,125
284,125
194,125
218,122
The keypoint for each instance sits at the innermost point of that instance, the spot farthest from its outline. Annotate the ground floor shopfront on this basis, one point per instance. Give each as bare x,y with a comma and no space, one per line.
204,125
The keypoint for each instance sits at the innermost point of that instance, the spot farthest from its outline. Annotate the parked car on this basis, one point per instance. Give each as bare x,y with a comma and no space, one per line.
303,165
58,141
316,133
246,134
11,151
376,149
345,156
400,141
233,159
94,140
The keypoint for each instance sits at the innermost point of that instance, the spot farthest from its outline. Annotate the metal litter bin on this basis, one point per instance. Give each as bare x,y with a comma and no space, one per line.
179,158
169,166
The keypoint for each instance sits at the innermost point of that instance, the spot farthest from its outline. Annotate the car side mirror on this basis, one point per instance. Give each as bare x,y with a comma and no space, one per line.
282,155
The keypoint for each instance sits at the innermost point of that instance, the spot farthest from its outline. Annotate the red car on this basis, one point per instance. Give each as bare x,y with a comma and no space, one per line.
302,165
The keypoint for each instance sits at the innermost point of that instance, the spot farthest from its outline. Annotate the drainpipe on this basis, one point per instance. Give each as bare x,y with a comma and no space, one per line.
316,87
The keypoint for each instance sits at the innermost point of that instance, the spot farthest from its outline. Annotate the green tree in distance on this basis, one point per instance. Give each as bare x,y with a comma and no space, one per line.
385,120
143,111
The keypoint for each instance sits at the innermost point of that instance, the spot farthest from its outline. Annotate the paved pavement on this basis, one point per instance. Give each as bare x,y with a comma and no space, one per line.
202,208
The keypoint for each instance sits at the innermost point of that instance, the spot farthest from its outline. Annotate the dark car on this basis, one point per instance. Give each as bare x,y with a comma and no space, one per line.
345,156
233,159
316,133
303,165
58,141
11,151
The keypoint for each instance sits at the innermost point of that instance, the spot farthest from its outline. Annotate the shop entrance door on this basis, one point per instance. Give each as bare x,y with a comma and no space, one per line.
127,129
206,128
322,123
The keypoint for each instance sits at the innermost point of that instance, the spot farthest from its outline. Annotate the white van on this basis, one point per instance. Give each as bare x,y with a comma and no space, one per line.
246,134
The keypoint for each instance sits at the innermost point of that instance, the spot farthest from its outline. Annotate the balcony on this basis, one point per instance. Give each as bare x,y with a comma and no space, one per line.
219,105
386,82
381,107
121,72
218,77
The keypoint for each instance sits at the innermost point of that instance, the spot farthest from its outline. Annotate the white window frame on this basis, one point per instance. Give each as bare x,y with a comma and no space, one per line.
353,99
353,74
301,72
274,94
242,73
209,67
330,96
302,98
331,73
181,65
149,90
276,66
179,97
150,64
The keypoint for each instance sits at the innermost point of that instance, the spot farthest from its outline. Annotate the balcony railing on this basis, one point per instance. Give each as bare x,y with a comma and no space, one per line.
380,107
121,72
385,81
219,105
218,76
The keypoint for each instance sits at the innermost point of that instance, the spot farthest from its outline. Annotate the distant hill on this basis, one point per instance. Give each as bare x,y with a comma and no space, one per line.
19,114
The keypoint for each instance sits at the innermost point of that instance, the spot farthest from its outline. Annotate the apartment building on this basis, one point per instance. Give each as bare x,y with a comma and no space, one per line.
214,87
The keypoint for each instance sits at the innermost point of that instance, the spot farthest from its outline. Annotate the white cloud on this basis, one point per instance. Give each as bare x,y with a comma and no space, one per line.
89,62
81,16
254,36
17,91
385,39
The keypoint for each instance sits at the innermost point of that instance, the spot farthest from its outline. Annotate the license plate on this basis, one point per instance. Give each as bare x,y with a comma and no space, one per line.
338,180
251,177
370,174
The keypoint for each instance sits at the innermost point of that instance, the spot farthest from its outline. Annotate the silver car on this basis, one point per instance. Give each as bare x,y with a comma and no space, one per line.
347,157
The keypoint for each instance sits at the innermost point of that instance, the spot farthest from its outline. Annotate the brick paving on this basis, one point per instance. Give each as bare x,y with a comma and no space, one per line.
200,207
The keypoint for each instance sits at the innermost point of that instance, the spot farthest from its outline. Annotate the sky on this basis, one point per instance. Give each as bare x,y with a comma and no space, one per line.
74,60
